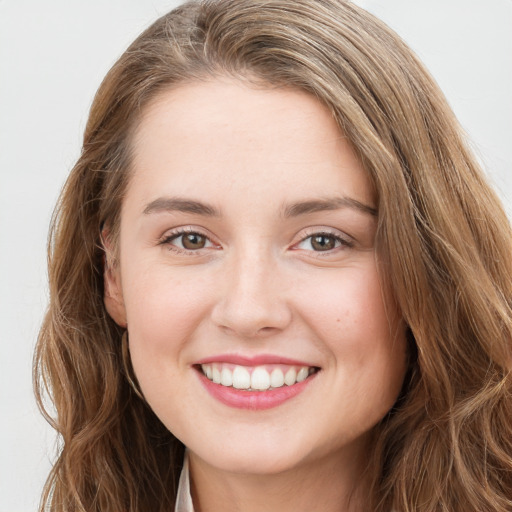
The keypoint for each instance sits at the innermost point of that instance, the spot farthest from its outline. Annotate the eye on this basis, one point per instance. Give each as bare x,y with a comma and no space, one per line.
191,241
187,241
322,242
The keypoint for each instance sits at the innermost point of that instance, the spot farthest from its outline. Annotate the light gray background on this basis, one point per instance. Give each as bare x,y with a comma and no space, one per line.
53,56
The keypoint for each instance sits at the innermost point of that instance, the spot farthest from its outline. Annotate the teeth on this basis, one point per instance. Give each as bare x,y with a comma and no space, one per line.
226,377
302,374
241,378
216,377
291,377
277,378
259,379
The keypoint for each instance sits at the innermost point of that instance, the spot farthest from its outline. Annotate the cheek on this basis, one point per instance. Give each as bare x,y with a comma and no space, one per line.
348,306
358,324
164,308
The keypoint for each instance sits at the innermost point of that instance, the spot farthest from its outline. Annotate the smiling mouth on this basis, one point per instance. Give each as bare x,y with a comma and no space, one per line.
257,378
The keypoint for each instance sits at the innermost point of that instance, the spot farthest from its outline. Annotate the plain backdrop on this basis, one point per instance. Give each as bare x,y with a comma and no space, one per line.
53,56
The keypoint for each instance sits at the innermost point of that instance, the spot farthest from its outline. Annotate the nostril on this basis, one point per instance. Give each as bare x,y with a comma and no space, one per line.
251,325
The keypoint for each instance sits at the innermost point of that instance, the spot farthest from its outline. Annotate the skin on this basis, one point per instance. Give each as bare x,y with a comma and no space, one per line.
256,285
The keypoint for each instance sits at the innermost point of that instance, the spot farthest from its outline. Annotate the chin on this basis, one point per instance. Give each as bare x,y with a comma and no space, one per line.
254,460
260,453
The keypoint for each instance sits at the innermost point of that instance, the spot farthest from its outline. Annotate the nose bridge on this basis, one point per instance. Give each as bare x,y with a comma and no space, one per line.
252,301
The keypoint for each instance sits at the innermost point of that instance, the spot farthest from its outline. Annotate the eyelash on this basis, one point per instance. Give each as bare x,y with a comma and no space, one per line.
168,239
343,242
340,241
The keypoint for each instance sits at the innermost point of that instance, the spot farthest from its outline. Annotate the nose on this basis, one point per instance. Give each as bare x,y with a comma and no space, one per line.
252,299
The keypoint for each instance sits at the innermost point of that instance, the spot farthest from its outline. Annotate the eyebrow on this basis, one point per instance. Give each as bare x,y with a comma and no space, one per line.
334,203
176,204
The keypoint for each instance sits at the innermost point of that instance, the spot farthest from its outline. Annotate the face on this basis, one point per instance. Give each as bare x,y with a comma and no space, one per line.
259,330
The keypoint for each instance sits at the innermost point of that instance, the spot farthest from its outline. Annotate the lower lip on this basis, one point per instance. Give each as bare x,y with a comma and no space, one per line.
254,400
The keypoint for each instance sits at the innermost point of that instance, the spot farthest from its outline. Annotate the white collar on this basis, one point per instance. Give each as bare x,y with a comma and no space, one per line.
183,497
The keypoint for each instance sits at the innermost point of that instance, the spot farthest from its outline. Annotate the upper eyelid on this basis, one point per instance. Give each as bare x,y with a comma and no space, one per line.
319,230
344,242
184,230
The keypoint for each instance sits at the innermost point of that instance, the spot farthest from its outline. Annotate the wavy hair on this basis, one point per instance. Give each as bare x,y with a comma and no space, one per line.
444,240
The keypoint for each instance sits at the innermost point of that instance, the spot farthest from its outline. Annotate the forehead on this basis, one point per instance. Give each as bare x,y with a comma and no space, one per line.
227,133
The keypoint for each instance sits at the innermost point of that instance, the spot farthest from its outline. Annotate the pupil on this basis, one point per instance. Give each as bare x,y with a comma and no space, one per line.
322,243
193,241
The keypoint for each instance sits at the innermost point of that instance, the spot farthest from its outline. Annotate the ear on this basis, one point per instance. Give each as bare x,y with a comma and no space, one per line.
113,296
112,288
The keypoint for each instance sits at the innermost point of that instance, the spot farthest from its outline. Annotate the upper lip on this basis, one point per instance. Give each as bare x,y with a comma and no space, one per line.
258,360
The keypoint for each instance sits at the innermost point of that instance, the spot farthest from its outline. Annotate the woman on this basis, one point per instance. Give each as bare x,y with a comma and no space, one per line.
276,251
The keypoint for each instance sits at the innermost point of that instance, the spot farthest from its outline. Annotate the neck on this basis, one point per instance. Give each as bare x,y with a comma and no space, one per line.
335,484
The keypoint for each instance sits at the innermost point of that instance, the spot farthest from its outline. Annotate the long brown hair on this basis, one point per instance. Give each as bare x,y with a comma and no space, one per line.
444,241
